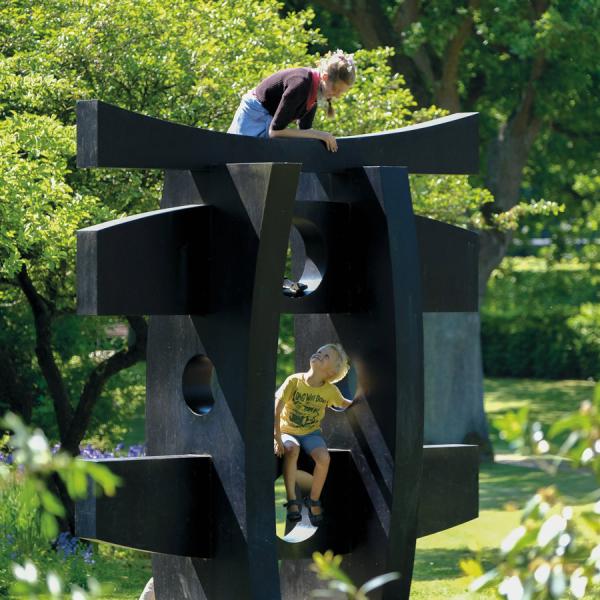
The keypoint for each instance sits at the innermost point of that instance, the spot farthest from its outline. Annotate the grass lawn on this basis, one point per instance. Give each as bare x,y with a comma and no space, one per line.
547,400
502,487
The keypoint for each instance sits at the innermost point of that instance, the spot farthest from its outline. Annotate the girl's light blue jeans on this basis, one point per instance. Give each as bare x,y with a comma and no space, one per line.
251,118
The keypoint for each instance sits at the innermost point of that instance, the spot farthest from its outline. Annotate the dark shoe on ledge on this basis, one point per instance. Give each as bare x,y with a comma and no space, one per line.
315,520
294,515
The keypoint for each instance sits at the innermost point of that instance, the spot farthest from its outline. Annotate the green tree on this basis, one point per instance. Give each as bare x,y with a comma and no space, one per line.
529,68
178,60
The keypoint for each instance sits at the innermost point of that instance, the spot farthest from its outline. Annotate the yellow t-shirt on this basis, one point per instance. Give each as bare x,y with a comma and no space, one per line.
305,405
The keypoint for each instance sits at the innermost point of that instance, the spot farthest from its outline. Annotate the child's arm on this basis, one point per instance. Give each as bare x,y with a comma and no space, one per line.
324,136
358,394
279,404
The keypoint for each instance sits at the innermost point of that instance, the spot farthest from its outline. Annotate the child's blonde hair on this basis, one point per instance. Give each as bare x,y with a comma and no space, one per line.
343,362
339,66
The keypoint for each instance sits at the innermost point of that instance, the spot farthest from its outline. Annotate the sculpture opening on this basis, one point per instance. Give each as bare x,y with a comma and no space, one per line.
308,269
293,533
197,384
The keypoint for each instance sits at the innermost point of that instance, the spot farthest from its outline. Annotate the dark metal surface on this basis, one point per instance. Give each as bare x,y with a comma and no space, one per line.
108,136
449,487
214,256
160,500
150,264
253,211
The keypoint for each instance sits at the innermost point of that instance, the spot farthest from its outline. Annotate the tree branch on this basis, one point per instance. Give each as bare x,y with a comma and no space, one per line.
447,93
406,14
375,29
98,378
42,315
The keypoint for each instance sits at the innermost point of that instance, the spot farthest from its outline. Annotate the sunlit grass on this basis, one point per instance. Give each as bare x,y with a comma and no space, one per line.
504,490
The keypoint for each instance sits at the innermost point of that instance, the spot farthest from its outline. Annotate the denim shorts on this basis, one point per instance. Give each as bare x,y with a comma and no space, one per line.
251,118
309,442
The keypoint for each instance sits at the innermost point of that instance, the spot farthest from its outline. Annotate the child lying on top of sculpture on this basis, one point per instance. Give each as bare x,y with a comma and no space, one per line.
293,95
300,405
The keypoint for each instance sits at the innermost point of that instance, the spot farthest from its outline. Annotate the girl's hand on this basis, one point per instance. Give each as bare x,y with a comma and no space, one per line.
329,141
278,447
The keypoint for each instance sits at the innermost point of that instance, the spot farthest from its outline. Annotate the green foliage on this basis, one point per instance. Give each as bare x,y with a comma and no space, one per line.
185,62
177,61
507,50
541,320
39,211
285,348
35,463
554,553
327,568
30,509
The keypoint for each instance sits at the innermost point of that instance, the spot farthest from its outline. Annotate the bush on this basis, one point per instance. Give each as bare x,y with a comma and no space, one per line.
542,321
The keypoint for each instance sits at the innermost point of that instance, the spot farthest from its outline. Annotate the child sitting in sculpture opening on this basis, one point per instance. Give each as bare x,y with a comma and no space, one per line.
293,95
300,405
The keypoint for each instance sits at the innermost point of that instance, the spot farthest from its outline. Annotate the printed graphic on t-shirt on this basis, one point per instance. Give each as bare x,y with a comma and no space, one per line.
306,410
304,406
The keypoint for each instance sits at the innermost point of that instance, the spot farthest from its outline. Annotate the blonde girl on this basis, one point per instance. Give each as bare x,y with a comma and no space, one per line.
292,95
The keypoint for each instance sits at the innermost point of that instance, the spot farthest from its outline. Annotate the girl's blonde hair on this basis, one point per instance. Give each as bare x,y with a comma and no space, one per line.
343,362
339,66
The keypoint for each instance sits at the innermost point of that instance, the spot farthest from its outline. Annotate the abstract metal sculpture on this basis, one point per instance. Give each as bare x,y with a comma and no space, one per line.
208,266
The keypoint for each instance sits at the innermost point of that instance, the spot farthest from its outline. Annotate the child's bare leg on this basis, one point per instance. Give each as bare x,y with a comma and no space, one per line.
290,465
321,458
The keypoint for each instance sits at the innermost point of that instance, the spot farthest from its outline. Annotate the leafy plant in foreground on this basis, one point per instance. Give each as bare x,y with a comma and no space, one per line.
555,551
327,567
28,468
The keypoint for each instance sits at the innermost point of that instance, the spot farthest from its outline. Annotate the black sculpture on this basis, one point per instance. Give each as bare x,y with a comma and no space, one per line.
209,267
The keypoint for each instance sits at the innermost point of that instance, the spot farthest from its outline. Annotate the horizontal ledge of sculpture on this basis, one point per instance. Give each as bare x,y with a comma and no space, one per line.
109,136
185,249
180,493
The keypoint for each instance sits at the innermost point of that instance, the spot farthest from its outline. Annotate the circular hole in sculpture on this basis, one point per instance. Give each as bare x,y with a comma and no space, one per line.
305,261
197,384
293,533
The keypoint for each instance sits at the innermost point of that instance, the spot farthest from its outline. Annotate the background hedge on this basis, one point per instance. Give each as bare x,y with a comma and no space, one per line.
542,320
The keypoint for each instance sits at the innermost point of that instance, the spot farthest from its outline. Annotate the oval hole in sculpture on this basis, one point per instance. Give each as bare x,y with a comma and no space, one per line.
197,384
308,266
293,533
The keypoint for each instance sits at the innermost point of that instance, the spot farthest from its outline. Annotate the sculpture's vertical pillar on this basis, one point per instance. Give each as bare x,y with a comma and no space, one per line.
382,332
237,338
392,189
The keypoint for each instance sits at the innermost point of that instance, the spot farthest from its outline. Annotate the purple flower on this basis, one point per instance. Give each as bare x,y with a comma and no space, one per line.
137,450
6,458
88,452
67,545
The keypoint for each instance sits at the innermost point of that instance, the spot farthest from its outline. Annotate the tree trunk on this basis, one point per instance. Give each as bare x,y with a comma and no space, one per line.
73,424
42,316
453,381
97,380
13,393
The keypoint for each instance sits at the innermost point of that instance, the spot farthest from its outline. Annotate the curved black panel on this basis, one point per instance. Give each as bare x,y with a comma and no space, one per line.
108,136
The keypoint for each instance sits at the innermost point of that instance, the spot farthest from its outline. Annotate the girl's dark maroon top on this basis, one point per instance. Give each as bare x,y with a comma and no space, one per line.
285,94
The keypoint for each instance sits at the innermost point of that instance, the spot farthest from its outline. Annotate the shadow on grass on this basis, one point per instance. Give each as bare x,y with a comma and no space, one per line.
548,401
500,484
443,563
